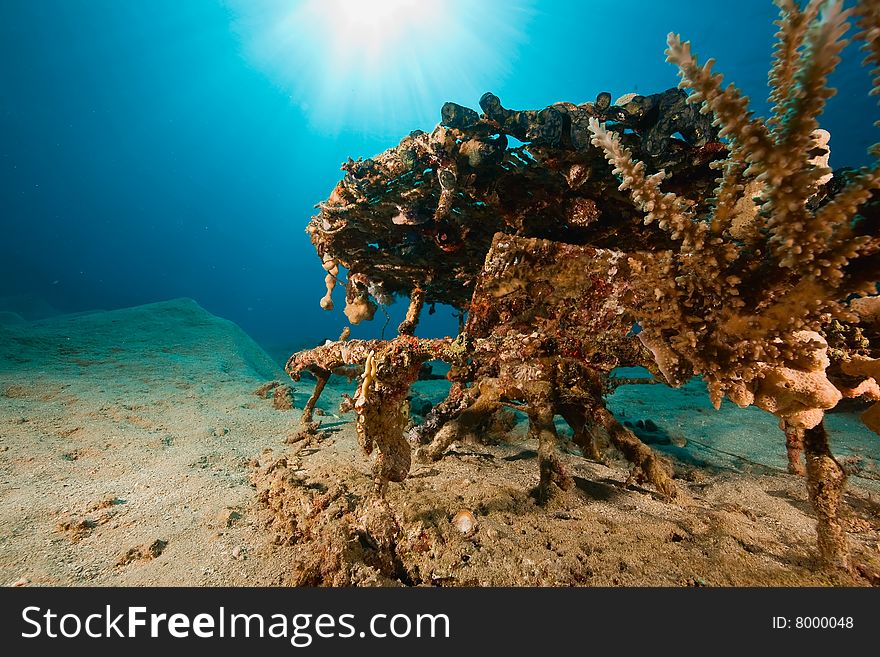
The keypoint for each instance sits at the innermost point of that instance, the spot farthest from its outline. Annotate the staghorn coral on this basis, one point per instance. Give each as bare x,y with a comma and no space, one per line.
744,279
420,219
743,308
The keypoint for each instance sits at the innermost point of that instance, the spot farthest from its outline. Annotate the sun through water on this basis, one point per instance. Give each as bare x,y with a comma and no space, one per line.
380,66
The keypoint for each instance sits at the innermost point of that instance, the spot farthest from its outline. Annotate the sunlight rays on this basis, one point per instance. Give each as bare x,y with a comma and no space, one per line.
380,66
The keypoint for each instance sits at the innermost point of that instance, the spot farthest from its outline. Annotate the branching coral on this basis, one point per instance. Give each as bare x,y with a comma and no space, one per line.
725,237
743,308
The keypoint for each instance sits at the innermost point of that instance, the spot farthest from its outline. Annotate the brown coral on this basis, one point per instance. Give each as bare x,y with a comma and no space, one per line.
743,309
738,279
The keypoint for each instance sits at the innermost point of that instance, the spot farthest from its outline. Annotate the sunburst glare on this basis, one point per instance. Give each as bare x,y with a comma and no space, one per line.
381,66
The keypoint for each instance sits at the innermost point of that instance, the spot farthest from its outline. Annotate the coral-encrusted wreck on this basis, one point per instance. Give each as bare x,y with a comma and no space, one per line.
761,281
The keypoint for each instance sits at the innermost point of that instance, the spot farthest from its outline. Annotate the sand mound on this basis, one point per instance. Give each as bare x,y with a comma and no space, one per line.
180,334
125,430
28,307
9,318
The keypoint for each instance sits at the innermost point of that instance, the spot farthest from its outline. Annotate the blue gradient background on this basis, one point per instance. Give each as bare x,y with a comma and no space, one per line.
145,155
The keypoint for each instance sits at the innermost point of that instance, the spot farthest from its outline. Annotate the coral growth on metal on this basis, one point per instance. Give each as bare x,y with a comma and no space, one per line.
564,232
423,214
530,240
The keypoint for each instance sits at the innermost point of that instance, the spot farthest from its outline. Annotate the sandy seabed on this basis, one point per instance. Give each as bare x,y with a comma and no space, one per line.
133,451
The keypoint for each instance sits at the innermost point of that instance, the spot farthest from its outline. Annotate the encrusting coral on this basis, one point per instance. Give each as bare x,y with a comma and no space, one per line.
537,338
744,311
332,270
760,281
389,368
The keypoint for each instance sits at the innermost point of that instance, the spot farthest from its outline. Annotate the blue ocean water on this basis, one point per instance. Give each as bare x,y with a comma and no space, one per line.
160,149
160,159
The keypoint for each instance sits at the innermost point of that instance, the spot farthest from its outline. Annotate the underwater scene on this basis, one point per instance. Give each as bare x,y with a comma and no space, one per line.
440,293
